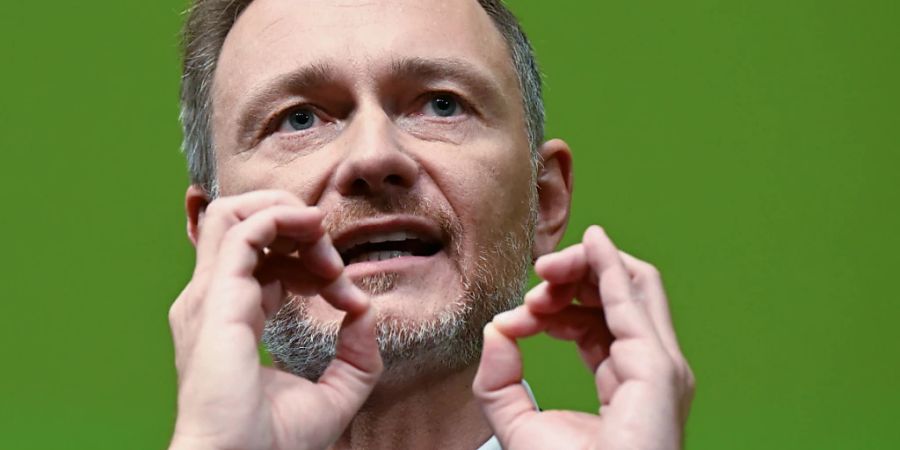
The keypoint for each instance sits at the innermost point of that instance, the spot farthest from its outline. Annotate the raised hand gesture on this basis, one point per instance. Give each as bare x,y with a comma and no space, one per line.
246,257
623,330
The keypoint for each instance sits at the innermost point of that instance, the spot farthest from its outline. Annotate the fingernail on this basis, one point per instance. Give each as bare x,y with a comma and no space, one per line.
530,297
334,256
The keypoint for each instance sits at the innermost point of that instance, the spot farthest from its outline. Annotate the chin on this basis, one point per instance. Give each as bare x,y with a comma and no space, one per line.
432,297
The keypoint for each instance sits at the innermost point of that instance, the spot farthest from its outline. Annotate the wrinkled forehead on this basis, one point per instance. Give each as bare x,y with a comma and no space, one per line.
360,38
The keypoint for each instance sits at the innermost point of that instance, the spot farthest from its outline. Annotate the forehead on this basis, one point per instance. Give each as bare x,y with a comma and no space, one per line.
360,37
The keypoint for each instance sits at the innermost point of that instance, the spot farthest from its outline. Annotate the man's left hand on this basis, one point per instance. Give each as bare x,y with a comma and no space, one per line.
623,330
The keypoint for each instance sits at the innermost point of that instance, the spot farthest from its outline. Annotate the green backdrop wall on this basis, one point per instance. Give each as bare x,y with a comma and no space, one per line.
749,149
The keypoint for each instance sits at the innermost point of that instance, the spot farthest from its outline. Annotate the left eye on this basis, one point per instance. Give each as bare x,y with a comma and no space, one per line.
443,106
298,120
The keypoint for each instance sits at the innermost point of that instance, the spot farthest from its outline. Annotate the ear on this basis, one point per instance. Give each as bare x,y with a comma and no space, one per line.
554,184
195,202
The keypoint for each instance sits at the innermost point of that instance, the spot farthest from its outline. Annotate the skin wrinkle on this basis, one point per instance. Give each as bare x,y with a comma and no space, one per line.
257,109
482,92
271,24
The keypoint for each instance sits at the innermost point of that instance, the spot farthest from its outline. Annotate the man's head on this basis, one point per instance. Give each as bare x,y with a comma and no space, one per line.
415,125
208,24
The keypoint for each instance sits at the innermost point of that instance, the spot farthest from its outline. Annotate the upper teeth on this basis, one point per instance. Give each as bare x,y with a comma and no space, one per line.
378,256
383,237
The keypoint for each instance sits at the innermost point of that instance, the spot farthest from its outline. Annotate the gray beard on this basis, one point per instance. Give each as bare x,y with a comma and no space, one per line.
449,341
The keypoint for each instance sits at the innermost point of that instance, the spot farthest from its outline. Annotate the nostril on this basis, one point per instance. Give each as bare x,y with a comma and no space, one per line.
359,185
394,179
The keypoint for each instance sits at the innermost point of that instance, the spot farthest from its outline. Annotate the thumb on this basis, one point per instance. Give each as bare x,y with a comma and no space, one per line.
352,375
498,385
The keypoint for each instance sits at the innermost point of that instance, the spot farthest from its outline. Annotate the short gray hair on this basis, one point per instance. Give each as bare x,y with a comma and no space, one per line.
208,23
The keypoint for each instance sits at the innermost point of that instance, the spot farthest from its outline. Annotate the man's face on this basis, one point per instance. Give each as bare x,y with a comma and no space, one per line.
403,121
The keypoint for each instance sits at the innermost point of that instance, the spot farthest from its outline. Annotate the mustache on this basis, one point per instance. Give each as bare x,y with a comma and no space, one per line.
351,210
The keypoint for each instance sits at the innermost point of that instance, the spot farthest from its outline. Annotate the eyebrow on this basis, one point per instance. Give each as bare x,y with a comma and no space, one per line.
430,69
481,84
307,78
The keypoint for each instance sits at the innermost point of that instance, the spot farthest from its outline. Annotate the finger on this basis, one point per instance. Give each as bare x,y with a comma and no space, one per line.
624,316
244,243
568,275
221,216
283,246
292,273
317,264
498,384
272,297
322,259
548,298
352,375
583,325
238,292
565,266
649,283
225,212
607,381
569,323
588,294
519,322
344,295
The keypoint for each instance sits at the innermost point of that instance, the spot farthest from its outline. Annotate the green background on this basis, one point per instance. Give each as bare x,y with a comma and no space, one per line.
749,149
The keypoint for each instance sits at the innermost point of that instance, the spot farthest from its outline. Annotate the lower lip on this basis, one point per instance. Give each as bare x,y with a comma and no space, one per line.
398,264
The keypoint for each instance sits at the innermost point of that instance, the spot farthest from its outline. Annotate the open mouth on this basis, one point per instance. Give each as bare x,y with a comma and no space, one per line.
379,243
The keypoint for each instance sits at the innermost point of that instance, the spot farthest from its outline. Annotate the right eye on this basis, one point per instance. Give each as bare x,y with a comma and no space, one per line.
298,120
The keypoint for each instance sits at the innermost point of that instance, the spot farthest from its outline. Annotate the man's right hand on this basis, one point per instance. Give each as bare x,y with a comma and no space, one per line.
226,398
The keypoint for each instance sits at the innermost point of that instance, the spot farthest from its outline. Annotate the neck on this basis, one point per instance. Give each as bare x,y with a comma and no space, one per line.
434,411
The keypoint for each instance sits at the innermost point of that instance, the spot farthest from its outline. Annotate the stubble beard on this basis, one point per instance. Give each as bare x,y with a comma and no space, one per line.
493,281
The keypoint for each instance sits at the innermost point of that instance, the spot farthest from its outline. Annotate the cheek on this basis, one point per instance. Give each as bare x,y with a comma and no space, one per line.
504,201
489,190
302,175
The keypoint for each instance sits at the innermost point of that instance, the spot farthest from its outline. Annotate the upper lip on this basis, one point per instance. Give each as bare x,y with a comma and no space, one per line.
377,228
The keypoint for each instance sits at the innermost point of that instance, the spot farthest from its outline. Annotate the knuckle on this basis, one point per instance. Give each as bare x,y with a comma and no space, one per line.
620,350
652,271
235,233
665,369
605,367
615,350
689,378
648,271
176,309
174,313
219,207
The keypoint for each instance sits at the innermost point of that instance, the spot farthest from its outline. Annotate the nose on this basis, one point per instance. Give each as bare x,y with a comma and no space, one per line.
374,163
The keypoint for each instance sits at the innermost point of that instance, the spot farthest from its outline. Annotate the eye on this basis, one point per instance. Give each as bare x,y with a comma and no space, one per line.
298,120
443,105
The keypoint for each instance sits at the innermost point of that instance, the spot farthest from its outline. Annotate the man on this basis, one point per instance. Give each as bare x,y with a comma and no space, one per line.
369,187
